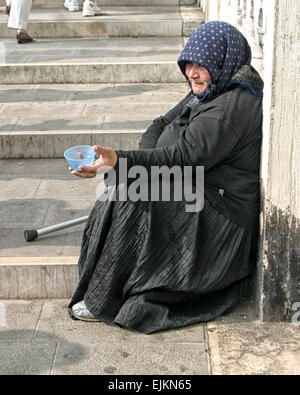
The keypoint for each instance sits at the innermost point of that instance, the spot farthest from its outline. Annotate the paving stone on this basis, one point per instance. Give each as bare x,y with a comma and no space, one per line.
26,359
55,322
131,359
241,345
40,338
20,354
113,350
20,321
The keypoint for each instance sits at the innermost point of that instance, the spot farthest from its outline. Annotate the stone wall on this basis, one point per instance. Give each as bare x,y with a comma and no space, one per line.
279,273
272,28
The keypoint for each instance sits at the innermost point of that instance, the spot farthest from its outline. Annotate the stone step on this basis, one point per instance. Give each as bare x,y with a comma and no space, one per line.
41,121
35,194
113,3
113,22
38,278
125,83
91,61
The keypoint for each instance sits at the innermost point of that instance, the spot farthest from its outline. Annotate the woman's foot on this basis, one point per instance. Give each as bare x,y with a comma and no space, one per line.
7,10
24,38
80,312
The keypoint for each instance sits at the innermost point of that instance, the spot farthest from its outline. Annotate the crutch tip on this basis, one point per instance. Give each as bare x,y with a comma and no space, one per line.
30,235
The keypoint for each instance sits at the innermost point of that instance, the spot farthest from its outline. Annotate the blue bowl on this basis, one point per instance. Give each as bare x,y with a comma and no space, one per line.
80,155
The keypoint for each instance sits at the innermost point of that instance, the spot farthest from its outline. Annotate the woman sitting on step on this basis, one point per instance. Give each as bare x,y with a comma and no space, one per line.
152,265
18,11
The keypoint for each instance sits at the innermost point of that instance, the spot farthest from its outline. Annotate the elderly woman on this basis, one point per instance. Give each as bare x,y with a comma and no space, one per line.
152,266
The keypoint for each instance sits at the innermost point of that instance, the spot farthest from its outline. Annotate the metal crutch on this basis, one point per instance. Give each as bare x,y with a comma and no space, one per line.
31,235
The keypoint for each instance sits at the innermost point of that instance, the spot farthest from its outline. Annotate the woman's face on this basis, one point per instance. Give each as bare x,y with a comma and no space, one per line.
198,76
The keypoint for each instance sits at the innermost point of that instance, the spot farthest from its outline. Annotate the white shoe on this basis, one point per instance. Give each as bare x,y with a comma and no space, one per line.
80,312
72,5
90,9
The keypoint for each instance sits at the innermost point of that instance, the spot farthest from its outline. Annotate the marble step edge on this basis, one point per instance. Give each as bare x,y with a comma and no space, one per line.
108,28
144,3
90,73
38,277
52,144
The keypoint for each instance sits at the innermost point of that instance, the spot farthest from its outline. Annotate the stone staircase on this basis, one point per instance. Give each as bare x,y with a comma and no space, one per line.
98,80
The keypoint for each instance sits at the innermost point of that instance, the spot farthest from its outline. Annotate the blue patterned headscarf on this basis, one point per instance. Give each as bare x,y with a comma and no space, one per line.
226,54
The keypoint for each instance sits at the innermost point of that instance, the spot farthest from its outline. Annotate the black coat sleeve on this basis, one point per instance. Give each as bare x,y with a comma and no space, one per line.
206,142
150,137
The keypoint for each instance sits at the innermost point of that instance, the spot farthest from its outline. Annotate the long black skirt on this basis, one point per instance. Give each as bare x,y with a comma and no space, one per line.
152,266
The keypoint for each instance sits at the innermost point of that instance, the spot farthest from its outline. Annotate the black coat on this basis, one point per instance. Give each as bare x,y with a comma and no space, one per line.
152,266
223,135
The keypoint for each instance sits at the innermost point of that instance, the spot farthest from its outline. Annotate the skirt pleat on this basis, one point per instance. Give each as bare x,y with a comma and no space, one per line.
152,266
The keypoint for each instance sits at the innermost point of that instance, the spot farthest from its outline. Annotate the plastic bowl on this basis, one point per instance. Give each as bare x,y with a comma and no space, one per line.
80,155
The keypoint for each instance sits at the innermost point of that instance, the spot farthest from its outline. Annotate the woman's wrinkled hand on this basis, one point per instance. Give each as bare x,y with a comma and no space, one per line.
106,161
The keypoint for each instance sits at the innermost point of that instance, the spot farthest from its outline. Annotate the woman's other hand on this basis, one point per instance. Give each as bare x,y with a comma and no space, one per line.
107,160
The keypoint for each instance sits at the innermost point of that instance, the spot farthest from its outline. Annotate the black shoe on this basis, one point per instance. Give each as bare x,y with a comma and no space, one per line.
24,38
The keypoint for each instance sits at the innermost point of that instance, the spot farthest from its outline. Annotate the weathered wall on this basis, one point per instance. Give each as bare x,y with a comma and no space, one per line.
280,265
272,28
